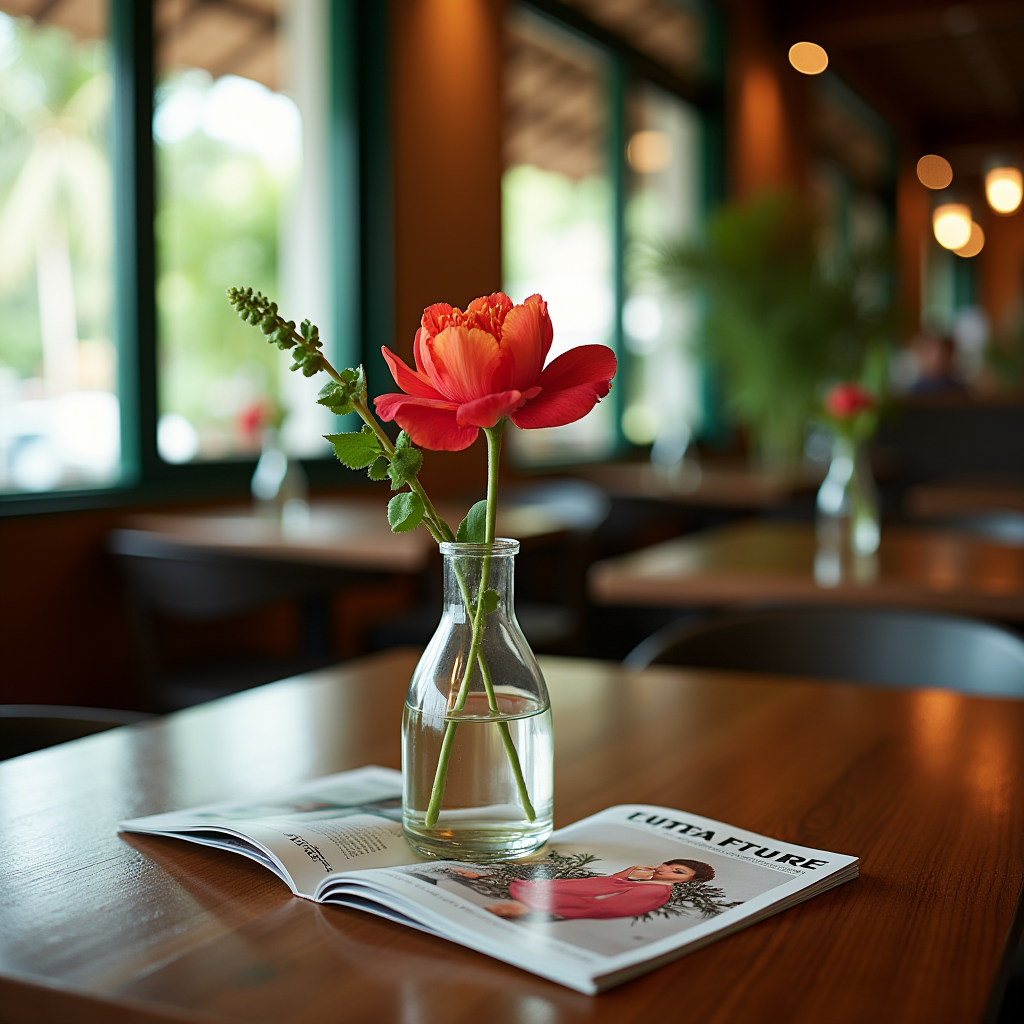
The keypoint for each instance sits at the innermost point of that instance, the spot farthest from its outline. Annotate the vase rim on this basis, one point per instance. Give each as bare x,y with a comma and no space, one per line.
501,546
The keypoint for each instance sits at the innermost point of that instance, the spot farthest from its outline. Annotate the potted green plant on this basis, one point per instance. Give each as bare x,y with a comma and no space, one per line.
782,319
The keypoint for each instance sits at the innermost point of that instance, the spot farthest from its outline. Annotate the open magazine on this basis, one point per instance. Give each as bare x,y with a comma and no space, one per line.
608,898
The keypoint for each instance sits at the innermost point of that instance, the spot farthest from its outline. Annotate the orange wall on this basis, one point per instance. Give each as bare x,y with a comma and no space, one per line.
765,104
447,148
1001,269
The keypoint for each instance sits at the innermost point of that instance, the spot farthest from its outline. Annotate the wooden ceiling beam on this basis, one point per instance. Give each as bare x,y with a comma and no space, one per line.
843,29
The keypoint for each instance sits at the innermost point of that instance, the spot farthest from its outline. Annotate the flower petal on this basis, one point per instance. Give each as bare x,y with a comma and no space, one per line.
570,387
410,381
435,428
485,412
461,363
525,341
560,407
579,365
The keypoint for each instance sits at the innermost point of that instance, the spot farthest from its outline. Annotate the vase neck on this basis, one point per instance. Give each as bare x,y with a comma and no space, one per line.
472,569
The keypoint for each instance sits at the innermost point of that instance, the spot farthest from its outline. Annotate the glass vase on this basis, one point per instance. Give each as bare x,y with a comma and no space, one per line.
846,515
476,732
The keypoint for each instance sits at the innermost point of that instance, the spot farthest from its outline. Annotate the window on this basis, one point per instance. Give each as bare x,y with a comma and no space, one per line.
604,159
558,208
123,368
59,412
662,383
239,132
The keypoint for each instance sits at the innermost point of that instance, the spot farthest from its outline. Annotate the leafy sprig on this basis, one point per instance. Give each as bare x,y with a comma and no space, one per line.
369,448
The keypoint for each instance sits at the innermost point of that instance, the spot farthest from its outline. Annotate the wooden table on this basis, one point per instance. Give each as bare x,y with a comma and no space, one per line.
709,484
754,561
965,496
927,787
348,533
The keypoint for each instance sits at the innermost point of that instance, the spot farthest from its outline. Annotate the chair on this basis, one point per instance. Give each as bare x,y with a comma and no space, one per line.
880,647
167,579
28,727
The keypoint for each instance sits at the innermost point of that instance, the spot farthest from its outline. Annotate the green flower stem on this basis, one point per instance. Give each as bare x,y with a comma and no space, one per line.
493,435
436,526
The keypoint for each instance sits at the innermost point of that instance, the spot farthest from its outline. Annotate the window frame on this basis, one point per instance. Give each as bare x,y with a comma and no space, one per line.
358,148
627,67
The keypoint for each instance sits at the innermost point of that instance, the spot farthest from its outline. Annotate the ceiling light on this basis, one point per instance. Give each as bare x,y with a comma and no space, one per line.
1004,188
974,244
808,58
951,223
934,171
649,152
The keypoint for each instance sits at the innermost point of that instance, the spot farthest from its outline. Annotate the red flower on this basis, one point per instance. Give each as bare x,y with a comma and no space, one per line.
847,399
475,367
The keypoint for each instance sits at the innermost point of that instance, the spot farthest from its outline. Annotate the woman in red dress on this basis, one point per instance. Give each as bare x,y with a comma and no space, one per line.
628,893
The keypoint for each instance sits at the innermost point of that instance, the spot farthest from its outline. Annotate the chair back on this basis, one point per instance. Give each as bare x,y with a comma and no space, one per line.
881,647
202,584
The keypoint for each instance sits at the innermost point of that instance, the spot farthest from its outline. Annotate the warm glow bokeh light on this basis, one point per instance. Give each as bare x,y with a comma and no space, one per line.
1004,188
951,223
934,171
974,244
808,58
649,152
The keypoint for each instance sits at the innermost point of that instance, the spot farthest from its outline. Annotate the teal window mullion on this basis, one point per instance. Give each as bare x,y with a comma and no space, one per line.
344,178
131,36
617,84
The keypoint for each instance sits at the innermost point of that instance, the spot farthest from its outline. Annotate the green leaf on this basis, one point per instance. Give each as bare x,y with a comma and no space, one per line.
357,451
489,602
405,512
379,470
339,397
405,464
404,441
473,529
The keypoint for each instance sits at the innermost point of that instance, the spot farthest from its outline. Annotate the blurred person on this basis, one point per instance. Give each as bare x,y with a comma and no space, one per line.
933,356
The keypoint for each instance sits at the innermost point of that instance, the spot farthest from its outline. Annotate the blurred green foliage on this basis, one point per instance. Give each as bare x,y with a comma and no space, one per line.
217,224
54,108
782,320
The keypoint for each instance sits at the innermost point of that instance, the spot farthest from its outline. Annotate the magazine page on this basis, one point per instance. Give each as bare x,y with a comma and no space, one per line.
344,822
608,898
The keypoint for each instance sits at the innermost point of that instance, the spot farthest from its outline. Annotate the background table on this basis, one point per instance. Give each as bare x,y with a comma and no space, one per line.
926,787
350,533
965,496
725,485
754,561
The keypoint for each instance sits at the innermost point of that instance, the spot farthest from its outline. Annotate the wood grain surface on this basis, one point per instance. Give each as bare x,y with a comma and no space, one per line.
758,561
927,787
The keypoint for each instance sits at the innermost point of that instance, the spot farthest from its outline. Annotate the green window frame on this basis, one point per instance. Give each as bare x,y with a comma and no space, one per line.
358,149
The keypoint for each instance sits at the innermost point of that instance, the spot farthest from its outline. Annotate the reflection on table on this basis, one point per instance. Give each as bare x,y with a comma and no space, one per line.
755,561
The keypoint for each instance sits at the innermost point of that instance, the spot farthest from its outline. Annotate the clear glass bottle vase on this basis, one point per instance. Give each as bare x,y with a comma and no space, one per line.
476,733
846,514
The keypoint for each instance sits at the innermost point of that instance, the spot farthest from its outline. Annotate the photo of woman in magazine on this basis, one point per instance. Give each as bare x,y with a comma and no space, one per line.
633,892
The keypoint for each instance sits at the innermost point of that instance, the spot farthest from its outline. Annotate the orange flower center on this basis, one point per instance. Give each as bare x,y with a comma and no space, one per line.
489,319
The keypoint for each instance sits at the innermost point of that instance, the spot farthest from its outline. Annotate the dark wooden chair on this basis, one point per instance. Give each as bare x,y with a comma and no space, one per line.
876,646
191,585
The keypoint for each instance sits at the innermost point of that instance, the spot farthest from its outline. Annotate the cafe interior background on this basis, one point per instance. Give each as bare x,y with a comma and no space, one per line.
359,161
